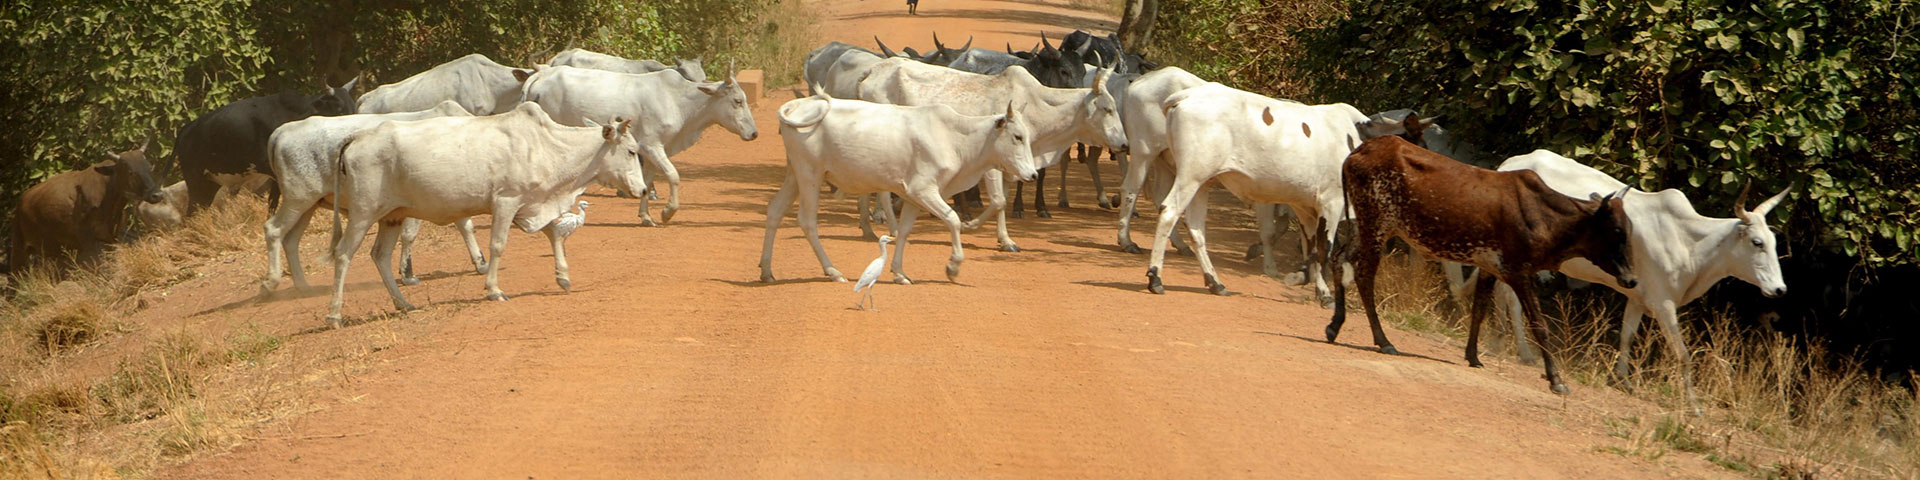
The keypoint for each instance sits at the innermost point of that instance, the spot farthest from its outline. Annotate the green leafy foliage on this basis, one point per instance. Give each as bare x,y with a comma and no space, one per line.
1703,95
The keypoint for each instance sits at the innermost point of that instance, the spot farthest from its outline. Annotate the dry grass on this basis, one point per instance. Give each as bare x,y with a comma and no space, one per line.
155,404
1776,407
780,48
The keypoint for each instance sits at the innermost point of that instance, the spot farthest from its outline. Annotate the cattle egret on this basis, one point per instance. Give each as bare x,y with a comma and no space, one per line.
569,221
873,273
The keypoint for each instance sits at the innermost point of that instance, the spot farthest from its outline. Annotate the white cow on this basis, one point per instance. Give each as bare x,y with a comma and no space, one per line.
923,153
1264,151
304,155
583,58
1678,252
670,112
477,83
1059,117
1145,117
521,167
166,214
841,77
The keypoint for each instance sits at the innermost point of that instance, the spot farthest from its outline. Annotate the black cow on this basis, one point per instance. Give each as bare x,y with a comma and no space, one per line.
232,140
1107,47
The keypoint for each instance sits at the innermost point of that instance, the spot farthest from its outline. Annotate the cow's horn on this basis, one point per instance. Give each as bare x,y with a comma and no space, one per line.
1740,201
1044,44
969,45
883,46
1767,206
936,42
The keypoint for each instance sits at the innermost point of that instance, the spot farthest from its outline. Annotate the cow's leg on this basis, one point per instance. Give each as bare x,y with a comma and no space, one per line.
1522,285
502,223
465,225
658,157
908,214
1019,197
290,245
930,199
383,244
1136,175
409,229
810,223
1177,199
1664,311
1366,255
1370,264
776,211
285,220
1197,226
1482,302
559,260
866,223
1040,195
1629,327
1066,163
1510,303
884,201
1263,215
343,253
961,205
995,186
200,191
1093,170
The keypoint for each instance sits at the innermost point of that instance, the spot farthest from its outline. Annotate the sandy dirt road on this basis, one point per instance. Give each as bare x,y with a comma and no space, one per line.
669,358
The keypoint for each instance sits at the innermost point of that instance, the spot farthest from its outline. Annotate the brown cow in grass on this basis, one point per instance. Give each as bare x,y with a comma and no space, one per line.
74,215
1508,223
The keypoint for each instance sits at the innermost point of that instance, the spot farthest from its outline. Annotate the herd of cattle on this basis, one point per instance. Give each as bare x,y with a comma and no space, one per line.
474,137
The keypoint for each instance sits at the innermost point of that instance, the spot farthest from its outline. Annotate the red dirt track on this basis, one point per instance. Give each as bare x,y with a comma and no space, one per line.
670,359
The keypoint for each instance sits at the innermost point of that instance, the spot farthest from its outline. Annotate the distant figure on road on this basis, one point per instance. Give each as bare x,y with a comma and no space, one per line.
913,7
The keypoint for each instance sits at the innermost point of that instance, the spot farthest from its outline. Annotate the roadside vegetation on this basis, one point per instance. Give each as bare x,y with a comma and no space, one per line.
1702,96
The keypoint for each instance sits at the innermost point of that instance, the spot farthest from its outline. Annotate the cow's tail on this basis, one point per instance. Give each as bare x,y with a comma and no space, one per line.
339,172
802,115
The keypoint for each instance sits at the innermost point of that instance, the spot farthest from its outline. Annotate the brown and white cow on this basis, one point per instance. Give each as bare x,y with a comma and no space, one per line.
74,215
1508,223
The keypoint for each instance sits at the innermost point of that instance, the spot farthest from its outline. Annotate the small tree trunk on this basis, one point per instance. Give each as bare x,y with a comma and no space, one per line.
1136,23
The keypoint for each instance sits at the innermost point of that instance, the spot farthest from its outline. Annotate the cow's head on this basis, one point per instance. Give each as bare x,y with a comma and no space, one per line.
619,159
691,70
943,55
1013,145
728,103
336,101
1607,230
1102,113
1753,248
130,174
1057,68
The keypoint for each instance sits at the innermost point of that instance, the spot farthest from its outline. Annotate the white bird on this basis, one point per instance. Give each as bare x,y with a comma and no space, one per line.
569,221
873,273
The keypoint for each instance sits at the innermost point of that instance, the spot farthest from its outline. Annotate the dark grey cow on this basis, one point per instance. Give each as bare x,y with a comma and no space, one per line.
231,141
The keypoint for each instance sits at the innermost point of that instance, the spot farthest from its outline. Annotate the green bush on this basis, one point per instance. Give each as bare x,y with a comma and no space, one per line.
1705,95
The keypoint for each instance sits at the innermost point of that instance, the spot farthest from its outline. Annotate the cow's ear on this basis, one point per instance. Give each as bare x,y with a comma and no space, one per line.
106,167
609,133
711,88
626,125
522,75
1000,123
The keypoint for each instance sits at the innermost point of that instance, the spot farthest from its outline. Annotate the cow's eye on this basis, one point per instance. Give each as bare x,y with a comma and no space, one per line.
1019,138
1758,243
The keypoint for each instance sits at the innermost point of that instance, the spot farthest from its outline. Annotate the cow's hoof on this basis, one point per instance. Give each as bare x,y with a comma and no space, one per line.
902,280
1043,213
646,221
403,306
1153,281
479,266
1561,389
565,285
1016,214
497,296
653,194
953,272
834,273
766,277
622,193
1062,204
1474,361
409,280
1254,251
266,289
667,215
335,322
1104,204
1010,248
1214,285
1130,248
1333,333
1389,350
1326,301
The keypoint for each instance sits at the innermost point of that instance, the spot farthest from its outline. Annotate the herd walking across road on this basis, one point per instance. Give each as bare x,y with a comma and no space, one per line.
474,137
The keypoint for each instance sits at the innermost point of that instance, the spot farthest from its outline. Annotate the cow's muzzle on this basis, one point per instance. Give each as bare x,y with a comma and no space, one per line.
1121,148
1627,281
1774,292
751,135
155,197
